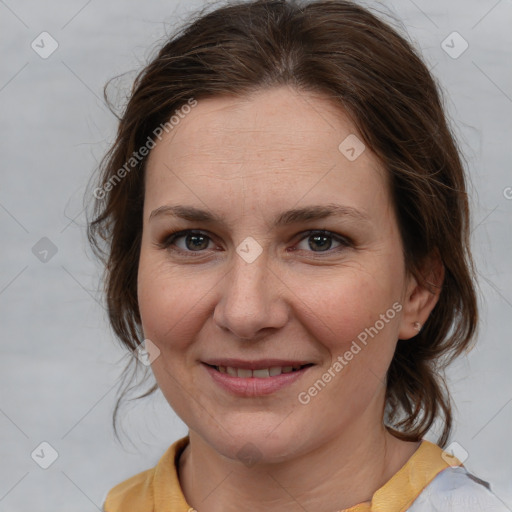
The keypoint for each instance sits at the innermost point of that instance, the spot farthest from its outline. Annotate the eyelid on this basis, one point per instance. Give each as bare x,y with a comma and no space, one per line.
336,236
172,237
344,241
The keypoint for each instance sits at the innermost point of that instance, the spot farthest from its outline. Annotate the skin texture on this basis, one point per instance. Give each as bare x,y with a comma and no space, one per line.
249,160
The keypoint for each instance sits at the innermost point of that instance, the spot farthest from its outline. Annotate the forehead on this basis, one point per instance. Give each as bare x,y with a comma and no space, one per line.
272,146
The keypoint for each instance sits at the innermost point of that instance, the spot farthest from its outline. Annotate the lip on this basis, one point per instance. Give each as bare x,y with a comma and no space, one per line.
254,365
254,386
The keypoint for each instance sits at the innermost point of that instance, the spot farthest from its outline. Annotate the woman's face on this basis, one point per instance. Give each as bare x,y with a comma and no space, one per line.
256,281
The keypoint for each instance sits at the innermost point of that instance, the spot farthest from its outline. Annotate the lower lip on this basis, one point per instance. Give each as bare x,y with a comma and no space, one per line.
254,386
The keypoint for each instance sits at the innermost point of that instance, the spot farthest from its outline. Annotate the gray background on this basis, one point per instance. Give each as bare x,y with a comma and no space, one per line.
59,361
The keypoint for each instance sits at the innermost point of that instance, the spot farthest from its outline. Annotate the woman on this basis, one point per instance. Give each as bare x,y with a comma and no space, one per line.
286,226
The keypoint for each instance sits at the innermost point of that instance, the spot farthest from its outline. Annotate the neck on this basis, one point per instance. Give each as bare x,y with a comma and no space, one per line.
341,472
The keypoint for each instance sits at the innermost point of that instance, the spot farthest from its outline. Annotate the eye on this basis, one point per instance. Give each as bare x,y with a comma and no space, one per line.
321,241
192,241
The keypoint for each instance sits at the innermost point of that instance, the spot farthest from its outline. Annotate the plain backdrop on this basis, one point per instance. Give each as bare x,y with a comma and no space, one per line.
60,364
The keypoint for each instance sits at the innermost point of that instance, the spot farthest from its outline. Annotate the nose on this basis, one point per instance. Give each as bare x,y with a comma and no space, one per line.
252,302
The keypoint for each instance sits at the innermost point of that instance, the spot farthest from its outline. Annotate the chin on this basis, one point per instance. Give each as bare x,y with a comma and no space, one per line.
250,445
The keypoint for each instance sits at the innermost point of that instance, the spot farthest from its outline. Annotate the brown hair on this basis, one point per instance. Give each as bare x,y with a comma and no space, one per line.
348,54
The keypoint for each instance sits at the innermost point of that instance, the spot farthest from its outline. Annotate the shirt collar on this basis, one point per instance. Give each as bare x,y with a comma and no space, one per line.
396,495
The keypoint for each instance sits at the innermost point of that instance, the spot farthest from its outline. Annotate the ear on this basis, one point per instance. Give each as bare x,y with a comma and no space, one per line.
420,296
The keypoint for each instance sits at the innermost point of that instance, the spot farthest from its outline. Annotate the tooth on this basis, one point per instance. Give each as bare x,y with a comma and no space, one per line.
231,371
263,373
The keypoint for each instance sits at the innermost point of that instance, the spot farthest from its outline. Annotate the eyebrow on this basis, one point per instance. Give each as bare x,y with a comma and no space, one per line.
309,213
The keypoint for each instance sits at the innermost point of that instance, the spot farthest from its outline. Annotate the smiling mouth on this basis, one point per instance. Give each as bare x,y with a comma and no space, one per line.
262,373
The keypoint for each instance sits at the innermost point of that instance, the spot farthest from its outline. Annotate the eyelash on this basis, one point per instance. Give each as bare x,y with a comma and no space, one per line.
172,237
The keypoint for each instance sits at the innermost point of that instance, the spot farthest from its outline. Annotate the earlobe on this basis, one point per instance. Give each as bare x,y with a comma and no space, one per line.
420,298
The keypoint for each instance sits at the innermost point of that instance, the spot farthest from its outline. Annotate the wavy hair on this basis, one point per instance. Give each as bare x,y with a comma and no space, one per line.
364,65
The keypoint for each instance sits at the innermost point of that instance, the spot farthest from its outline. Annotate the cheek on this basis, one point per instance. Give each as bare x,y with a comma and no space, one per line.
169,300
353,307
339,308
354,320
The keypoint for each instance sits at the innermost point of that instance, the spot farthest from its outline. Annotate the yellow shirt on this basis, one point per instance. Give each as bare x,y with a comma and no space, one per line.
158,489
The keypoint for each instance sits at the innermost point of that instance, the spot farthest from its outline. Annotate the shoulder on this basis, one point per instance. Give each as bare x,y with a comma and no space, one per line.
155,489
455,489
135,493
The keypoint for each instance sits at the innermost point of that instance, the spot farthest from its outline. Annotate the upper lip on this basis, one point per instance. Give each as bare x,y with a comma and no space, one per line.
255,365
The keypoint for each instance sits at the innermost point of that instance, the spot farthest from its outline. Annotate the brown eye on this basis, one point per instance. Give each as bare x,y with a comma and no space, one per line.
196,241
192,241
322,241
